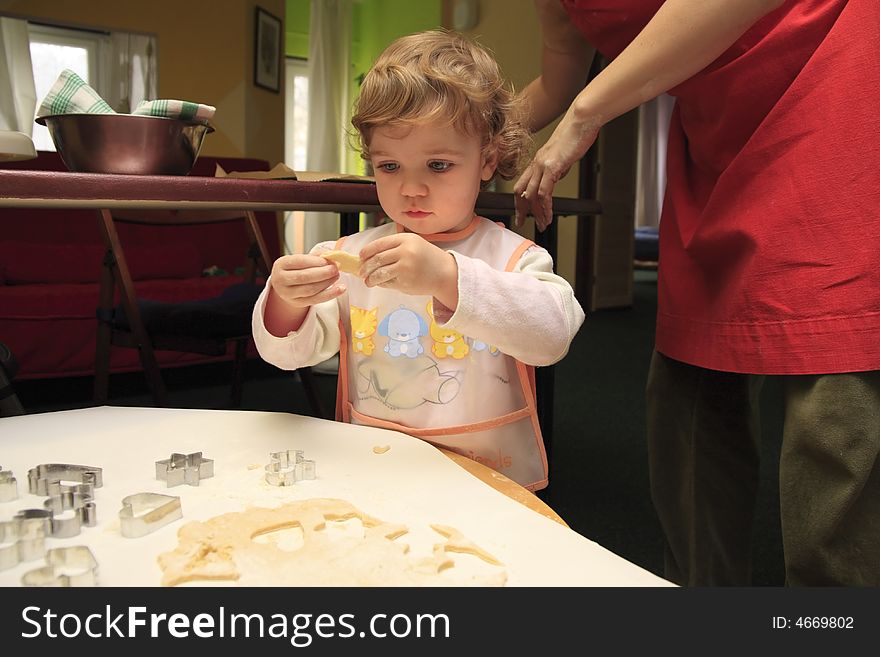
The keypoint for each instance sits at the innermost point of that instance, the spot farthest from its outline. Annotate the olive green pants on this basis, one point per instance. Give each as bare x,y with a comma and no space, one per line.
703,448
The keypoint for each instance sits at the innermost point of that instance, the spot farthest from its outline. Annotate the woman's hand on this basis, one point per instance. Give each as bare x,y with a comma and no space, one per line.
533,192
408,263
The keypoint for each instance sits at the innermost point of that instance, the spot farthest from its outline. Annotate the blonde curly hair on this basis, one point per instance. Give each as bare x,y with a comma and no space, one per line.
440,76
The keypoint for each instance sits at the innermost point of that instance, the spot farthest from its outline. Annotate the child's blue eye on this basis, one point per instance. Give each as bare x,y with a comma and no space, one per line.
439,165
389,166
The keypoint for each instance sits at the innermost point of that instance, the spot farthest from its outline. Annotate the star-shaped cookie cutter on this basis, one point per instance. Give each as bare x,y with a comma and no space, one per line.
184,469
288,467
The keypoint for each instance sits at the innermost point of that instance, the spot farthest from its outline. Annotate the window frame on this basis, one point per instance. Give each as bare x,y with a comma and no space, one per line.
95,43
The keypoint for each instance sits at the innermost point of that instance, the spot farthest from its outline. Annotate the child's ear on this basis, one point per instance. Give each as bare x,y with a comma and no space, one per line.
490,163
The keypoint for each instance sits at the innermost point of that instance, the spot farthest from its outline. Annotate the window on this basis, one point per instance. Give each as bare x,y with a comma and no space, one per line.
52,50
296,137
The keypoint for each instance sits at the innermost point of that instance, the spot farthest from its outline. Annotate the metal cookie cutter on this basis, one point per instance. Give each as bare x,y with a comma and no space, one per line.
83,512
143,513
184,469
66,566
77,512
46,479
288,467
21,540
8,486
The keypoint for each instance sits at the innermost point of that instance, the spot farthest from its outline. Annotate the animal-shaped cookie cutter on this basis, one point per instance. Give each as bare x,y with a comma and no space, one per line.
21,539
63,515
143,513
66,566
71,490
184,469
82,508
8,486
49,479
288,467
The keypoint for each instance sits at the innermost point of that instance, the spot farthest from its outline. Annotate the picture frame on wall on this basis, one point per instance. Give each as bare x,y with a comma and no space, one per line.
267,50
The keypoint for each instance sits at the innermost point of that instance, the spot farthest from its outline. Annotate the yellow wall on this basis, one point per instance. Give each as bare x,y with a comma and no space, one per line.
509,28
205,54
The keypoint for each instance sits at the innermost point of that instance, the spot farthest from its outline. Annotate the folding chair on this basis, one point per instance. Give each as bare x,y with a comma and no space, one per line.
205,326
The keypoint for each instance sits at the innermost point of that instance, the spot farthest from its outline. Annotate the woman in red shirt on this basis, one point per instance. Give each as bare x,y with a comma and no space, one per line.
768,242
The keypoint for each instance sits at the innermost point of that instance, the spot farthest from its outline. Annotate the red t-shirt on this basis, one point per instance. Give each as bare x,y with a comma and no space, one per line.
770,232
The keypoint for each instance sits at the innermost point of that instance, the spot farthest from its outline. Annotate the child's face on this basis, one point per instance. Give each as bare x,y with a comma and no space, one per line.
428,176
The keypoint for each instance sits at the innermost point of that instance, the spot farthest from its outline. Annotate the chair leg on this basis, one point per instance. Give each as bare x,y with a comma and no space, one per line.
104,331
154,377
102,364
9,402
308,381
238,363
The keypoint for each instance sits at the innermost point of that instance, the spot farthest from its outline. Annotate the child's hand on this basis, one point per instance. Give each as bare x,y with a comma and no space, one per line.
408,263
304,280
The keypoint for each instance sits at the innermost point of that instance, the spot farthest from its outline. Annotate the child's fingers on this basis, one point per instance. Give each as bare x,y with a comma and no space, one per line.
300,261
323,271
380,276
309,294
302,283
378,246
325,295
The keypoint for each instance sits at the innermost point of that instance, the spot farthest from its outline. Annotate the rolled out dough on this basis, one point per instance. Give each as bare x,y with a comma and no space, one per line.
224,548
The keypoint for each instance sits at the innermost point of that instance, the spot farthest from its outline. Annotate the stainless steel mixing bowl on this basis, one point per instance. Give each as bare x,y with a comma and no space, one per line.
126,143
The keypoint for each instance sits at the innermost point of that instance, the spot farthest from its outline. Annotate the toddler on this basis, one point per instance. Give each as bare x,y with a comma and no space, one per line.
439,331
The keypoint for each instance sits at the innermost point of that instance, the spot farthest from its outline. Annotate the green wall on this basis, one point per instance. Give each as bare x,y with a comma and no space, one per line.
374,24
296,27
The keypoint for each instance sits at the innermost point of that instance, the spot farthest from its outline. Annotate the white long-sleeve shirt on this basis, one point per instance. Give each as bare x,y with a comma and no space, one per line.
529,313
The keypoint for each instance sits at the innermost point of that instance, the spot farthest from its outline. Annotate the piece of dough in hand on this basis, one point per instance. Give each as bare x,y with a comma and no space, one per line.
347,262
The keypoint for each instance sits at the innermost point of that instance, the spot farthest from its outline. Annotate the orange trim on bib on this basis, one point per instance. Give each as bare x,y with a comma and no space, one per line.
448,237
342,403
342,373
517,254
527,379
440,431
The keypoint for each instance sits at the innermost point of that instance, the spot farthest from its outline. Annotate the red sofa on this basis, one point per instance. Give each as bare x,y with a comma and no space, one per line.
50,262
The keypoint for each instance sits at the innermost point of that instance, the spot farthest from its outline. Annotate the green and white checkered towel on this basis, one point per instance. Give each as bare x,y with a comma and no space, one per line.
180,109
72,95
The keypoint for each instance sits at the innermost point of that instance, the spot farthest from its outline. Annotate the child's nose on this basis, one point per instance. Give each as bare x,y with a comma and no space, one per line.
413,186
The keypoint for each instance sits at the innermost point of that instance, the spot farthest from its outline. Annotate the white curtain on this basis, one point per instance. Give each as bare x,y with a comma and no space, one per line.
651,160
329,64
18,96
132,64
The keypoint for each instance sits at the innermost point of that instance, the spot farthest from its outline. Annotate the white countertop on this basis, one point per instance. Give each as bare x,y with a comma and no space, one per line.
412,484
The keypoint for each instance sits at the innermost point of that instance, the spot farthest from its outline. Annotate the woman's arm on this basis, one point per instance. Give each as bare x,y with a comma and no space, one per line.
565,64
680,40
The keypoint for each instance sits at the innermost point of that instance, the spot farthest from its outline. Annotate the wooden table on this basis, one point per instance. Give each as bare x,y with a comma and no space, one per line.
64,190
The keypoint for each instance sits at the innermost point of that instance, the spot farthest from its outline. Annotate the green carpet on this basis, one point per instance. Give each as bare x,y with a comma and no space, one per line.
599,462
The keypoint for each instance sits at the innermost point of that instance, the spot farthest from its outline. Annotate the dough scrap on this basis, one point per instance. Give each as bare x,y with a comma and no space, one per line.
223,549
345,261
380,449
